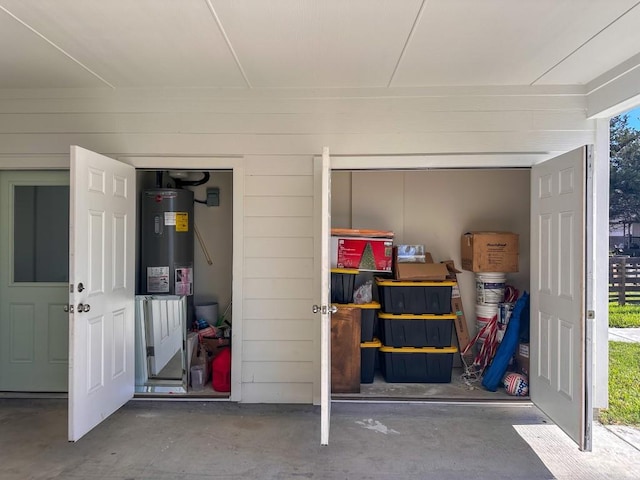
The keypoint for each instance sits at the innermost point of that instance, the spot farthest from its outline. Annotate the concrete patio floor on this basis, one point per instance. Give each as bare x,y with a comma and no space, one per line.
214,440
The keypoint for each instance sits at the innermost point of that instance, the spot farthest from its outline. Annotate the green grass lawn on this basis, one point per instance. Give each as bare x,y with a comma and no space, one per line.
624,317
624,385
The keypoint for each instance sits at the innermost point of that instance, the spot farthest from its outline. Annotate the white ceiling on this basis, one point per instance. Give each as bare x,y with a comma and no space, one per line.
312,43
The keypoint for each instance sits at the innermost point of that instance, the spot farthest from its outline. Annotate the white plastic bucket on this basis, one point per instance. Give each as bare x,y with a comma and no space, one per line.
490,288
208,312
485,314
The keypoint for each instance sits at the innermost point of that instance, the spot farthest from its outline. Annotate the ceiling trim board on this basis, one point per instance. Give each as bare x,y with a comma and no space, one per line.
210,162
598,106
228,42
416,21
303,93
412,162
614,74
618,93
60,49
30,162
402,162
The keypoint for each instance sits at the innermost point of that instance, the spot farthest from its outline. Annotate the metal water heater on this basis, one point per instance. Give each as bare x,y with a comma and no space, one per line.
166,243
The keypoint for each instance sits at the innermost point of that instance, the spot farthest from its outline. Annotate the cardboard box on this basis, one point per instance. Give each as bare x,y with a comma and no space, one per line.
522,358
427,271
411,254
213,346
421,271
462,329
200,357
489,251
369,254
452,270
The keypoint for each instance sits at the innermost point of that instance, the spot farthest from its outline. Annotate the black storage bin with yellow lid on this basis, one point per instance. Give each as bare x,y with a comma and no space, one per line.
368,355
342,283
415,297
407,330
369,319
417,365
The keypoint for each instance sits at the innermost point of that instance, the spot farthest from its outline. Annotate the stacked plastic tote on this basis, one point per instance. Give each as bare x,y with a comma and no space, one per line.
416,326
342,293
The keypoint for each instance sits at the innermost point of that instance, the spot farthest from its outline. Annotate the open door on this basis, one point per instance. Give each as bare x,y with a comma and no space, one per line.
101,299
322,172
558,292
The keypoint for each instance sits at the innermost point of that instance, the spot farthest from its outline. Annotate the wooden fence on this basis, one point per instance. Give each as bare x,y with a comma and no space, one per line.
624,280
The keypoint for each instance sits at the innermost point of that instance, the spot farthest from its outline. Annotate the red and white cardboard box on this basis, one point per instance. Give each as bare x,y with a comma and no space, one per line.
369,254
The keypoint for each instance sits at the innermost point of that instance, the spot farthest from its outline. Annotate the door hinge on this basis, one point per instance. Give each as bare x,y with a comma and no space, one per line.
151,352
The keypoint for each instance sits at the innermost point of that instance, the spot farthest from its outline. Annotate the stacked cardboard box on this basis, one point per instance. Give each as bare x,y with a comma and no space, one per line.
490,251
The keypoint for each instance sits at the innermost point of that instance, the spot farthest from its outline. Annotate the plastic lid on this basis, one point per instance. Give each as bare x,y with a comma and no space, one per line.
409,316
351,271
373,344
452,349
417,283
373,305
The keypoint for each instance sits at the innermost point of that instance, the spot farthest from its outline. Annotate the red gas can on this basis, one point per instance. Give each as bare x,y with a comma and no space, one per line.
221,371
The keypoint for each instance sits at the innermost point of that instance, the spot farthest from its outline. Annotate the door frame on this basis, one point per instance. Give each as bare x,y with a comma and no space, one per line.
234,163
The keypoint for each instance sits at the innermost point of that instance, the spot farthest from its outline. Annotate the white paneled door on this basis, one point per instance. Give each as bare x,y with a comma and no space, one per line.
322,173
34,237
558,316
102,272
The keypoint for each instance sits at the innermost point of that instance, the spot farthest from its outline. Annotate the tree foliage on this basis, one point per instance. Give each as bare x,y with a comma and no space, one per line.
624,189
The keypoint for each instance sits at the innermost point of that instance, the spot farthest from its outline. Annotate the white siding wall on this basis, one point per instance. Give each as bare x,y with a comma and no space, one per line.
294,122
278,333
278,132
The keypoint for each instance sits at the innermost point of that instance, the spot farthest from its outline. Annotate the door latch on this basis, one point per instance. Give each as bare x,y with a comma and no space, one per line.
68,308
83,307
323,309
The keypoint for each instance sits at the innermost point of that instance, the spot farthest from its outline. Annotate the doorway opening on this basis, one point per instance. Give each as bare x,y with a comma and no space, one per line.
434,208
184,280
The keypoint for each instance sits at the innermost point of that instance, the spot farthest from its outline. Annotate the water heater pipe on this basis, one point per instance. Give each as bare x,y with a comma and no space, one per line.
202,245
